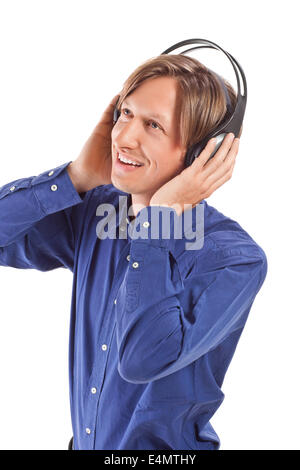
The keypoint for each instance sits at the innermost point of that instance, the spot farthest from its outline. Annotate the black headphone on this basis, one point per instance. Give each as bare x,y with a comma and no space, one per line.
235,120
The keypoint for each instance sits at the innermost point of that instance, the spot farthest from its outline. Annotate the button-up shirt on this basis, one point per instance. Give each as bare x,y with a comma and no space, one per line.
154,321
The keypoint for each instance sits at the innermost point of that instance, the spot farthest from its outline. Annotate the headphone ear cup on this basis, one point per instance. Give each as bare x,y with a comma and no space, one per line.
116,115
194,152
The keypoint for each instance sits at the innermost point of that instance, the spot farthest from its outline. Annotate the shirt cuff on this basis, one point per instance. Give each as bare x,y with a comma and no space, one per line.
54,189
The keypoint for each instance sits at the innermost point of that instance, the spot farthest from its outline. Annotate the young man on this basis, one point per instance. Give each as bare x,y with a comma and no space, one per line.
154,321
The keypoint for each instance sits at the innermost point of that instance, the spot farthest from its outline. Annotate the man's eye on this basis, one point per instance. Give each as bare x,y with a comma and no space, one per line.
153,122
123,110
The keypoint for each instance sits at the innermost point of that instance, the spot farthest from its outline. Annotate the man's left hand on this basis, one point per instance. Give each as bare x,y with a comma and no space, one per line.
199,181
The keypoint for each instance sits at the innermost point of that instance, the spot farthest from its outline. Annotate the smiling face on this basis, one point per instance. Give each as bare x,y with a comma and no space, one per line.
147,132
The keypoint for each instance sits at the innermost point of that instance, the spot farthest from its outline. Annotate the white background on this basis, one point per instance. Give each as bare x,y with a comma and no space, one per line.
61,63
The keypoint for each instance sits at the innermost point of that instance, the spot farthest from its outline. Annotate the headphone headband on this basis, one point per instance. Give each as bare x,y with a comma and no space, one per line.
234,123
228,102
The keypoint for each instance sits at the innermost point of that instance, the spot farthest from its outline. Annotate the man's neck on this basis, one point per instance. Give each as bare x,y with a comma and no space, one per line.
138,202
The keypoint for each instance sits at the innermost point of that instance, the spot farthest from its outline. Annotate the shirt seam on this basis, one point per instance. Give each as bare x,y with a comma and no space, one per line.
237,251
37,199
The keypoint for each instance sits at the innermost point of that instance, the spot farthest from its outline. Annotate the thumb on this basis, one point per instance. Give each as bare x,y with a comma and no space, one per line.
108,113
114,101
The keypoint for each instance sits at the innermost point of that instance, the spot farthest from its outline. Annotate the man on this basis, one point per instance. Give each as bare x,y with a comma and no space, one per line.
154,325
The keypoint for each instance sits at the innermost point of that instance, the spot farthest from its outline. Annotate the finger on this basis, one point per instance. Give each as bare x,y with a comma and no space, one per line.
107,116
226,165
115,99
233,151
226,177
200,161
212,165
110,108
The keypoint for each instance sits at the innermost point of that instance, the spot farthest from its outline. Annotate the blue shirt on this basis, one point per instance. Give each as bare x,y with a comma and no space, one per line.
153,325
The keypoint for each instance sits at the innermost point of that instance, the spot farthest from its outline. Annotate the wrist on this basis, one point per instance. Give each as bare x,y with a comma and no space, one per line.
176,206
81,182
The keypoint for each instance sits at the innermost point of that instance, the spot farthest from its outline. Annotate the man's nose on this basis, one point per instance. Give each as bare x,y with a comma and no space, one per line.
130,134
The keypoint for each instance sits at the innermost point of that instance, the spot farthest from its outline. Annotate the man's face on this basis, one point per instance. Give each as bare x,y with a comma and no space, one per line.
147,132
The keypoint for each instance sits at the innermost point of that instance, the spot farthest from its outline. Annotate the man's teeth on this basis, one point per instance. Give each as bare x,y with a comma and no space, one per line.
124,160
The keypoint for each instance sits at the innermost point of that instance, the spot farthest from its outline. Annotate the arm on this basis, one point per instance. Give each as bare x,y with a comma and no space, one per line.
36,229
156,335
36,225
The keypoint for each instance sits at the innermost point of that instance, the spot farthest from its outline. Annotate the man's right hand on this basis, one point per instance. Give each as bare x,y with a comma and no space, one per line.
93,166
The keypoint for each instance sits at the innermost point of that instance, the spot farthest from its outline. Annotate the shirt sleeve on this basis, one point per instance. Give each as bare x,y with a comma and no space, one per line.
36,230
156,334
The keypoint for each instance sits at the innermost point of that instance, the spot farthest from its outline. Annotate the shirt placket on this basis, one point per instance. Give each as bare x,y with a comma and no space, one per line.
96,382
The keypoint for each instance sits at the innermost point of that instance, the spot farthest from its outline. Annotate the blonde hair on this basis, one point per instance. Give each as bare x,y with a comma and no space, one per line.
202,102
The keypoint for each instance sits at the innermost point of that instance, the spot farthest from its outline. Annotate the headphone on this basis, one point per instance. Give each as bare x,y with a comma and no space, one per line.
235,120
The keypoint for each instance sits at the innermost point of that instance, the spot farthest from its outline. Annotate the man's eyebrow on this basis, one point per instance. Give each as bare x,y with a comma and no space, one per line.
160,117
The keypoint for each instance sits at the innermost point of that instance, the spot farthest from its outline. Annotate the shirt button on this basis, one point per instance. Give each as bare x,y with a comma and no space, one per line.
104,347
53,187
146,224
128,257
93,390
12,188
87,430
115,301
122,229
50,173
135,265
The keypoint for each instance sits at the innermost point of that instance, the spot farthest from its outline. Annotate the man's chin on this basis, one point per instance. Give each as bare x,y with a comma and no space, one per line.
126,188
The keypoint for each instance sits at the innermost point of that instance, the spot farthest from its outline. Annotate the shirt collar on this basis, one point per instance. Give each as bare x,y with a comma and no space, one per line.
191,220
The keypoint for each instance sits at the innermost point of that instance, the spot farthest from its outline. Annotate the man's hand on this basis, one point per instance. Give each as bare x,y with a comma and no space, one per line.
199,181
93,165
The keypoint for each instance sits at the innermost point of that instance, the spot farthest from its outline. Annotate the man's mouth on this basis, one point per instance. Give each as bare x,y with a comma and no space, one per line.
127,163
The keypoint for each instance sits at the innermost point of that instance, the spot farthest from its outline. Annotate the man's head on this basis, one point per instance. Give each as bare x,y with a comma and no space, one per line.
167,104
